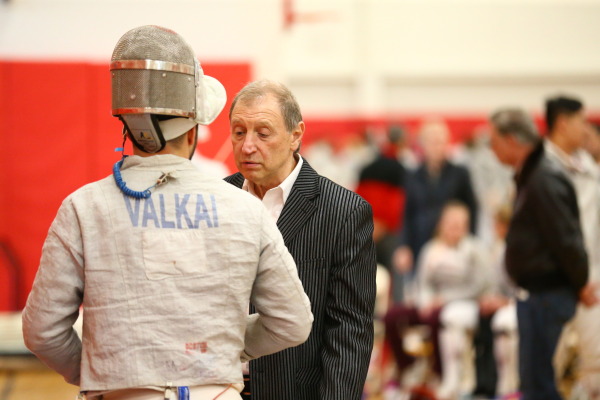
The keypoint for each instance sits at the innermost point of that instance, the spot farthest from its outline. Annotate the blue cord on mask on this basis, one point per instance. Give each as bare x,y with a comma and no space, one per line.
183,393
122,185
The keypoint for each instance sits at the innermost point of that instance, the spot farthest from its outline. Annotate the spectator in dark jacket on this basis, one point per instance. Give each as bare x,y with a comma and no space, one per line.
436,182
381,183
545,253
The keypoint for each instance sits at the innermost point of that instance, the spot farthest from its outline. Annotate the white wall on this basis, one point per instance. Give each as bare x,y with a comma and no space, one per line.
349,57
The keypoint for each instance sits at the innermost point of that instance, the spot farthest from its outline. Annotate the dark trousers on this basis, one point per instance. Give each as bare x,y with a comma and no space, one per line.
485,361
397,320
541,318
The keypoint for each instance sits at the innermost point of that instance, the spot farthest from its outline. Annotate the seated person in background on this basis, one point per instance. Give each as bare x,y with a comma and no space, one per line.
498,315
452,268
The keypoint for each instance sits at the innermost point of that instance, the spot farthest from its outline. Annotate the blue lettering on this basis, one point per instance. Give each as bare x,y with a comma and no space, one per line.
214,210
201,213
181,211
182,218
149,213
134,213
163,216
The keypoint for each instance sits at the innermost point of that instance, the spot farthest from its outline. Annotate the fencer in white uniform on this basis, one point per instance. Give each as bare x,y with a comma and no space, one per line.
162,259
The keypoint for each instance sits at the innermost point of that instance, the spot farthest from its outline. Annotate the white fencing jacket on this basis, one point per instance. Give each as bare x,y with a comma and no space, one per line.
164,283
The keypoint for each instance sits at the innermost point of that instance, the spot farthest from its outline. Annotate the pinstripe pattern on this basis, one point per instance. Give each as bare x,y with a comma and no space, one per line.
328,230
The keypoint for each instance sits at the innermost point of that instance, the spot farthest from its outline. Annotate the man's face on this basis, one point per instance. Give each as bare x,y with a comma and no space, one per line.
576,127
500,145
434,140
262,147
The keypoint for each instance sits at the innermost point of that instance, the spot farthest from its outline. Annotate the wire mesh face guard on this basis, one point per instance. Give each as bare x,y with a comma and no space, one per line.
155,72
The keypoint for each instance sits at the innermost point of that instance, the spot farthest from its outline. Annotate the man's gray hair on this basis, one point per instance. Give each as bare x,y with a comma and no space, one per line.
515,122
290,110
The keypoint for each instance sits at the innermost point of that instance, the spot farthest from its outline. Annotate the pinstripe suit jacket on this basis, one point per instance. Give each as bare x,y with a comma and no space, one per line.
328,230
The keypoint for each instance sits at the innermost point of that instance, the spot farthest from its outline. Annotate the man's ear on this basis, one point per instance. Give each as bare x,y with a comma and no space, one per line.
192,140
191,136
297,135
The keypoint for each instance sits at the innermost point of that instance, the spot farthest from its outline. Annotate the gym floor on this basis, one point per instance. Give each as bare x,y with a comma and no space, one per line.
24,377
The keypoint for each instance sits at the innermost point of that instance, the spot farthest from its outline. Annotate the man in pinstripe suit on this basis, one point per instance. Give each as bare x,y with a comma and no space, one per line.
328,231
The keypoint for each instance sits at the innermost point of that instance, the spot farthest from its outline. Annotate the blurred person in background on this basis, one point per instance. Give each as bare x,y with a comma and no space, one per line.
329,232
493,186
453,271
492,181
381,183
545,251
162,259
355,151
567,131
428,189
498,313
342,157
404,151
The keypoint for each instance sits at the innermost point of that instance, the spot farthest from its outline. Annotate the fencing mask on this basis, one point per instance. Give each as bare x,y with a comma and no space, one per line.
159,90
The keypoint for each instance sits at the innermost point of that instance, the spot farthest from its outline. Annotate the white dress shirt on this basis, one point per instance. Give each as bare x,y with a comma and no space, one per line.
276,197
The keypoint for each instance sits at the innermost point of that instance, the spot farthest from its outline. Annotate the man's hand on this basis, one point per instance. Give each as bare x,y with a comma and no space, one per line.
489,304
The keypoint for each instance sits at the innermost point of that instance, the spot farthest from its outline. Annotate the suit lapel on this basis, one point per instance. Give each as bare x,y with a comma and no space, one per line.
236,180
300,205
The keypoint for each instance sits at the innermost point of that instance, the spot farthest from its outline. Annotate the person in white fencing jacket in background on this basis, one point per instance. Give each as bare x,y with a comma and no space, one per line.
162,259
